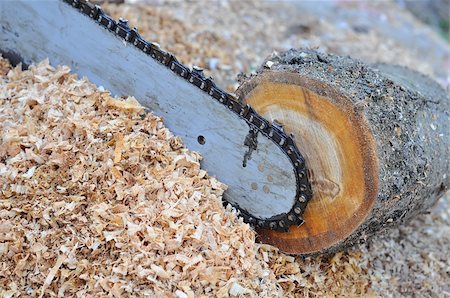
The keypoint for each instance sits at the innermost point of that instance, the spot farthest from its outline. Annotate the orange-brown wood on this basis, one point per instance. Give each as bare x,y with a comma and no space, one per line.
339,150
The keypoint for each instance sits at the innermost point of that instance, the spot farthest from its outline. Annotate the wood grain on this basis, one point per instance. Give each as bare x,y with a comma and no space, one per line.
339,151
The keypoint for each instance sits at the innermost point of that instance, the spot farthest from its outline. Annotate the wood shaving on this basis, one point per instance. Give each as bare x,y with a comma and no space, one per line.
4,66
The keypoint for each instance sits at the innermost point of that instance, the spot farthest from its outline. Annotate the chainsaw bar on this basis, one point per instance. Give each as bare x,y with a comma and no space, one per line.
257,124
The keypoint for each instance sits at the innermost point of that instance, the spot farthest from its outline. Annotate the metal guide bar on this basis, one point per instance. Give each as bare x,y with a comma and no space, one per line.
195,76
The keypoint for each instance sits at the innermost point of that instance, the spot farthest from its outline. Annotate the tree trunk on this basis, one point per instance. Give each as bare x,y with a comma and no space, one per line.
375,139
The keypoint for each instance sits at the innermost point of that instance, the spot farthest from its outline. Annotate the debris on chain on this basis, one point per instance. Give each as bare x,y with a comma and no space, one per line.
269,64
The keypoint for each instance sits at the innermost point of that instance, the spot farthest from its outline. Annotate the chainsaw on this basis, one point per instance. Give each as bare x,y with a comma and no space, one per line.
264,169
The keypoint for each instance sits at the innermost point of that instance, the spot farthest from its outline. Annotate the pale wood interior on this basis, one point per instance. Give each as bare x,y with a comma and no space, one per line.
339,151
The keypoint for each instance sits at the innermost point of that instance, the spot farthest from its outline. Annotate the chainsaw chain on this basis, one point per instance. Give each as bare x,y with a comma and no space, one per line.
195,76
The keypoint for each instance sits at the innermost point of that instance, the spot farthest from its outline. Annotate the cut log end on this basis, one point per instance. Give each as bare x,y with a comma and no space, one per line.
340,154
344,149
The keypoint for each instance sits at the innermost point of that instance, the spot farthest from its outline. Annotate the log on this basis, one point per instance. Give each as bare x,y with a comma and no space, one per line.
375,139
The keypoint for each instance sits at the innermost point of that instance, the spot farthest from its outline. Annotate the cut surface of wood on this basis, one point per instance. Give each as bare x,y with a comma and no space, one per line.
339,151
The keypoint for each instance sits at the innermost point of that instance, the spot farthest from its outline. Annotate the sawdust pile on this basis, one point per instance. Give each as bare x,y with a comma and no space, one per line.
156,25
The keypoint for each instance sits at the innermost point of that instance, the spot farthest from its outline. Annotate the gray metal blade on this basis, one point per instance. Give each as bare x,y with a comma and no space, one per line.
265,188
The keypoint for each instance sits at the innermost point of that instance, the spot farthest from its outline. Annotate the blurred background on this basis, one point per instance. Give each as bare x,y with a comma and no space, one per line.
227,37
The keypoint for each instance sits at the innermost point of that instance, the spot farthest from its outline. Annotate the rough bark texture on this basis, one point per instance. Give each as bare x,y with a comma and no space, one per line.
408,115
